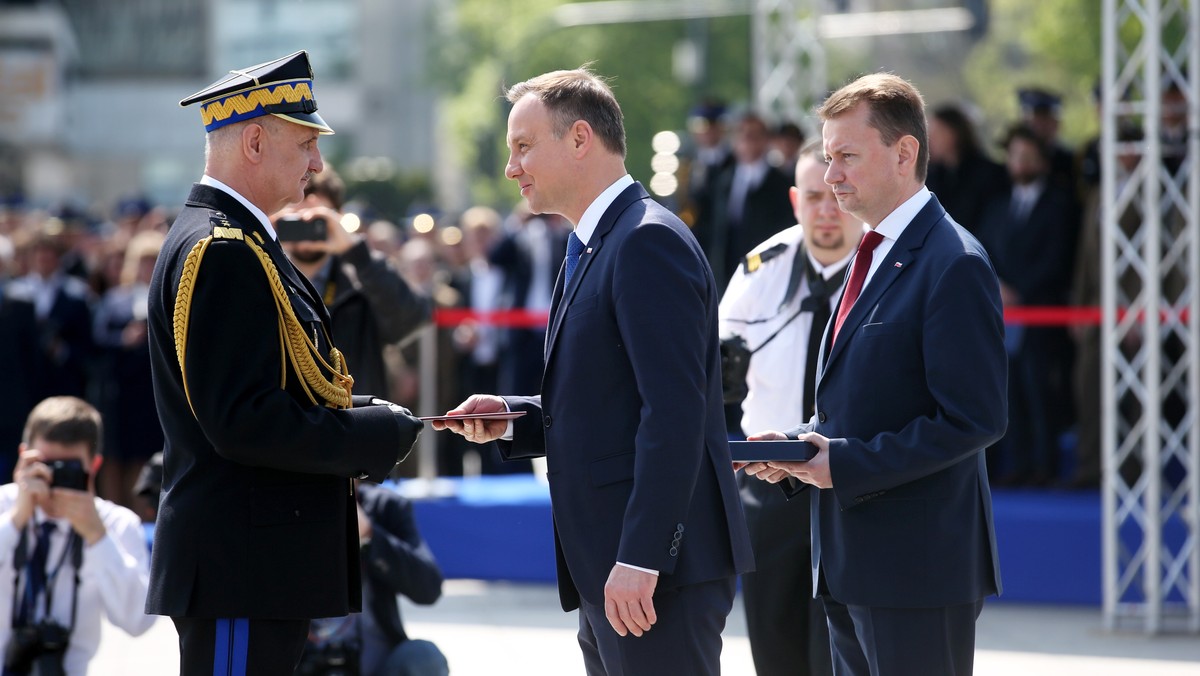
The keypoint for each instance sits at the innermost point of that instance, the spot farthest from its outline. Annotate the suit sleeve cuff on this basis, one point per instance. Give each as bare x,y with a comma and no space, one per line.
508,429
644,570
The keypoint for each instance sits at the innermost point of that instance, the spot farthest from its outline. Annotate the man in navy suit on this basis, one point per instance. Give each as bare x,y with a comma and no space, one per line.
649,528
911,391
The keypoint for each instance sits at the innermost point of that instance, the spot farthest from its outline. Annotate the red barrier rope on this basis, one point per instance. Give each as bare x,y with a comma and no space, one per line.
1026,315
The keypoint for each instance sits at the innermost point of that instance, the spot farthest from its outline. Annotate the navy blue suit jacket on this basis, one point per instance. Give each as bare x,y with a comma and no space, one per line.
911,394
630,417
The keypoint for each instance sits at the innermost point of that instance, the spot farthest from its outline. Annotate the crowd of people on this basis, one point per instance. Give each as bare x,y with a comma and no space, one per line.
76,305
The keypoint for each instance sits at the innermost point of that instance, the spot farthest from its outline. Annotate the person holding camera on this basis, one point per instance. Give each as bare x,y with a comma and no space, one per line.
265,425
771,320
395,560
370,304
67,557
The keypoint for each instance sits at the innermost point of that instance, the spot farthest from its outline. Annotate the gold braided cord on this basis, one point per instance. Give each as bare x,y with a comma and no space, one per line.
301,350
293,341
240,104
183,306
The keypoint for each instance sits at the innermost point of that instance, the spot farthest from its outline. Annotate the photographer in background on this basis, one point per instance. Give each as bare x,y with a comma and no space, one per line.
395,560
370,304
66,556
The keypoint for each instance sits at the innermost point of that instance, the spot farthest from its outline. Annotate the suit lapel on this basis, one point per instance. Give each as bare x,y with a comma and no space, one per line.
899,259
564,296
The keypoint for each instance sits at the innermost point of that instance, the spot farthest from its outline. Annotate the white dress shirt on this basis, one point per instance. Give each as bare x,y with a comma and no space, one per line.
113,578
893,226
751,309
258,213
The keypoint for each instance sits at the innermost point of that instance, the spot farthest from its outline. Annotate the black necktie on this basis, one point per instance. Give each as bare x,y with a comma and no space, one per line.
817,302
37,571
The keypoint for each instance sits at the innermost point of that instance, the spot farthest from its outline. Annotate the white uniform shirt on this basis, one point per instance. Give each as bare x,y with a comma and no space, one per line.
775,378
113,578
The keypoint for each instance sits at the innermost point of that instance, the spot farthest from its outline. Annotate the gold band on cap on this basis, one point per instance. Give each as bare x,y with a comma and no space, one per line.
235,107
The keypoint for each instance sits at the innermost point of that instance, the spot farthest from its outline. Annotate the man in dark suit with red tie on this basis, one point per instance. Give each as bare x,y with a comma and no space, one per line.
911,391
648,523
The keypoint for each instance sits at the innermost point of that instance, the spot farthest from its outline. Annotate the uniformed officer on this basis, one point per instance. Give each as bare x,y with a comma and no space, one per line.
257,530
778,302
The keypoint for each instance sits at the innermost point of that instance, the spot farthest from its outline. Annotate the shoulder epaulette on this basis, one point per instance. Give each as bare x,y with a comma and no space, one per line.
756,259
222,228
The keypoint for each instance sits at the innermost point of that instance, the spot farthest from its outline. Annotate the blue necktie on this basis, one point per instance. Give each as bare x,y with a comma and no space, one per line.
574,249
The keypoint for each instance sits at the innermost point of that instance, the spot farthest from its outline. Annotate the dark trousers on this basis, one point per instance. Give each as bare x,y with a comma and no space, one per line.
239,647
869,641
788,632
686,639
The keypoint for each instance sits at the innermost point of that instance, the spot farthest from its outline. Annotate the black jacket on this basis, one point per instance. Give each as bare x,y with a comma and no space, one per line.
371,307
396,561
257,516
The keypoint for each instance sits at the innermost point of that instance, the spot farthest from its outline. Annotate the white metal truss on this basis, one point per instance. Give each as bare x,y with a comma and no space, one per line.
789,59
1150,334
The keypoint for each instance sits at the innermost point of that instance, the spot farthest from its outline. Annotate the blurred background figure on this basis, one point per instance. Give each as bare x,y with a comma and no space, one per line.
1174,129
370,304
19,379
1040,111
786,141
1030,235
395,561
480,342
749,200
1086,292
124,391
420,265
707,156
528,258
64,318
961,174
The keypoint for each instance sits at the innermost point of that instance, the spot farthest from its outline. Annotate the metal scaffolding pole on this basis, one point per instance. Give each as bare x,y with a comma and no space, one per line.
1149,335
789,59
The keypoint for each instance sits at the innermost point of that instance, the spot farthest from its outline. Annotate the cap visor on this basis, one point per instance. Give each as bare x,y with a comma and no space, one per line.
306,119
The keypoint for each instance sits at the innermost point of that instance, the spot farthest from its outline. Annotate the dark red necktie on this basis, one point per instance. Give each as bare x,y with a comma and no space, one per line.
858,275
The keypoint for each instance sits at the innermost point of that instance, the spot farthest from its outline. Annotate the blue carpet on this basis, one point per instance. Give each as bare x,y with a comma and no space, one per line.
500,528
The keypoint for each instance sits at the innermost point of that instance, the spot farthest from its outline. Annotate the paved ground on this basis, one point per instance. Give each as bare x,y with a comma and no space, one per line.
498,629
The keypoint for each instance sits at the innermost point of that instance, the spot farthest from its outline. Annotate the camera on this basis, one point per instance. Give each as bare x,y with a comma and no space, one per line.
735,362
292,228
37,649
331,659
68,474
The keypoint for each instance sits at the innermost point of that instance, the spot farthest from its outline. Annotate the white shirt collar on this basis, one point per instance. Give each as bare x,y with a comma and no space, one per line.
827,271
894,224
258,213
591,217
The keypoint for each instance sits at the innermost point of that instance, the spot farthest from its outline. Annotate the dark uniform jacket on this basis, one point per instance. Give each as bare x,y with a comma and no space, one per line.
371,307
257,517
767,210
396,561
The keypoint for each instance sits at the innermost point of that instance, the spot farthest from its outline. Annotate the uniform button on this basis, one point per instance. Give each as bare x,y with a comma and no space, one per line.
674,551
547,421
821,416
297,514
